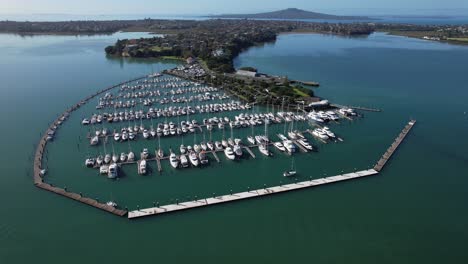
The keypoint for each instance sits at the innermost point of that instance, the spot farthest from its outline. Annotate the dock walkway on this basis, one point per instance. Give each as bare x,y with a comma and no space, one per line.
249,194
388,154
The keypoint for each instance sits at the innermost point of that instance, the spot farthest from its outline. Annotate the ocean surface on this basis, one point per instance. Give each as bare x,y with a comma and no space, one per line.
414,211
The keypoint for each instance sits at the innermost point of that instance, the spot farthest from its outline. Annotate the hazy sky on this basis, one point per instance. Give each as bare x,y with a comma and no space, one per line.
223,6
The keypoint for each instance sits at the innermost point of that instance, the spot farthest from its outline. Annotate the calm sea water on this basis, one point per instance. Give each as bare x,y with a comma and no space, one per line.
414,211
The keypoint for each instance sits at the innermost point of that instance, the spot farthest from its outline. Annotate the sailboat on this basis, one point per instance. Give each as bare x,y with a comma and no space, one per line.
292,171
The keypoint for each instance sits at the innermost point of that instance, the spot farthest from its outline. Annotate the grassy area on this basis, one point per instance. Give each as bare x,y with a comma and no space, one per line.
458,39
159,49
171,58
300,93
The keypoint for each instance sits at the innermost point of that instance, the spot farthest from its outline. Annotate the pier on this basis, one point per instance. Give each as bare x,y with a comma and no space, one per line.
249,194
250,152
388,154
362,108
215,156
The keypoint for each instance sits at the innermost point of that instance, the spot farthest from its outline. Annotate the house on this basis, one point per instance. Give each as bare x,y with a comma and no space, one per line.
246,73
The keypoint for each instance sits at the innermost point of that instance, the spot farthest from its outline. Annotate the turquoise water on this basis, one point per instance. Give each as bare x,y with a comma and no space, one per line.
414,211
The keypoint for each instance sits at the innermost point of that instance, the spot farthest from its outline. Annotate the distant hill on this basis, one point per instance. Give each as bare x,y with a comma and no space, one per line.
290,13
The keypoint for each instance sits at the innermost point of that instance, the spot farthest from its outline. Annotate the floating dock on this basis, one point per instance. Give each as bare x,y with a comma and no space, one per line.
388,154
247,195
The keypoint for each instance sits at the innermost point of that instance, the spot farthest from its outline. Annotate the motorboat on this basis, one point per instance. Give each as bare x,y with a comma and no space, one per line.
263,149
210,145
305,144
224,143
123,156
289,173
124,135
115,158
279,146
142,167
251,140
203,146
289,146
117,136
107,158
90,162
203,158
113,171
112,203
229,153
218,145
197,148
131,156
131,136
174,160
320,134
146,134
145,154
183,149
160,153
94,141
194,158
328,132
237,150
184,161
99,160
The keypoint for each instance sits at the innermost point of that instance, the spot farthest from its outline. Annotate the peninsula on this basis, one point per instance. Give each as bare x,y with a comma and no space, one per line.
291,13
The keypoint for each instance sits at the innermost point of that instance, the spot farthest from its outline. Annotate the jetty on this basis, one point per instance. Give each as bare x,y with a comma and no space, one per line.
391,150
248,194
275,189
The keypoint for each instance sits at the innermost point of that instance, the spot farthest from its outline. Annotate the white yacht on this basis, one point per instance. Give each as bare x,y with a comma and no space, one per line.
194,158
238,150
184,161
115,158
116,136
203,146
113,171
124,135
320,133
145,154
218,145
197,148
203,158
107,158
279,146
183,149
94,141
123,156
99,160
160,153
328,132
210,145
90,162
263,149
131,156
224,143
173,160
142,167
289,146
251,140
229,153
305,144
146,134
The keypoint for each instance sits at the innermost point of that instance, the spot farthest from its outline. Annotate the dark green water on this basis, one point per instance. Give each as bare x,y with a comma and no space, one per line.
414,211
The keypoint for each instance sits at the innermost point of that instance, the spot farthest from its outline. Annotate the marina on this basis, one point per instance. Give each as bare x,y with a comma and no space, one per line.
195,155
